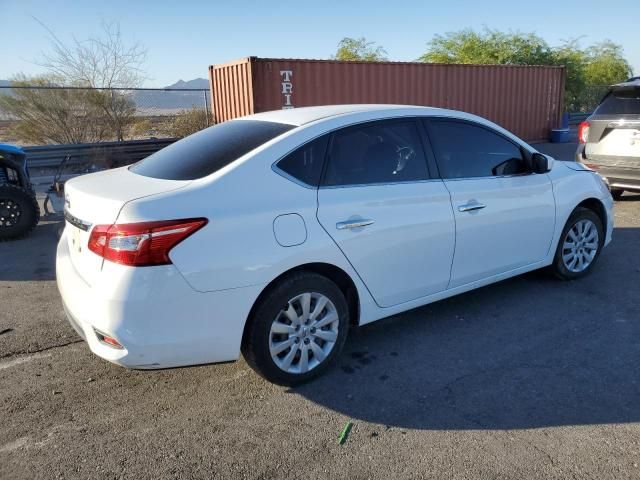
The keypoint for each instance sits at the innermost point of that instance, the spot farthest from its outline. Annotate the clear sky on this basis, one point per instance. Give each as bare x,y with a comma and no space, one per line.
184,37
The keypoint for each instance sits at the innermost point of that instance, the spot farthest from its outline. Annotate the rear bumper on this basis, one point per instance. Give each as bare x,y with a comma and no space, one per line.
153,312
623,177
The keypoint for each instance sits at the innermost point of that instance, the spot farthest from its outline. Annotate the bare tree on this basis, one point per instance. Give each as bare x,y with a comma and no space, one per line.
104,61
46,115
98,62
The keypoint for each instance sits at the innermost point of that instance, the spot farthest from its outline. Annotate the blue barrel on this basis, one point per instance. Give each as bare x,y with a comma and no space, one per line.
560,135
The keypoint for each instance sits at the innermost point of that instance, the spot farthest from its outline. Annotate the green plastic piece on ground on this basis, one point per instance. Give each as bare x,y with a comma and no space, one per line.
345,433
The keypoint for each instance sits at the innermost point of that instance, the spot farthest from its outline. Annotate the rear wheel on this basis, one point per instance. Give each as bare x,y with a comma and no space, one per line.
19,212
580,245
616,193
297,330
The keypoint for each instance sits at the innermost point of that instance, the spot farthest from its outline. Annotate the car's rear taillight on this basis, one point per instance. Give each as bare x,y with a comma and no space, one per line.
141,244
583,132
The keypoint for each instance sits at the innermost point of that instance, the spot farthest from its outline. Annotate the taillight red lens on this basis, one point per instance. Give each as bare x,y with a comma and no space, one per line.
583,132
141,244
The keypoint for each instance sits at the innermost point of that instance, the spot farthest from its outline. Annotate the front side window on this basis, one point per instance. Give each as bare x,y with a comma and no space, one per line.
305,163
378,152
464,150
209,150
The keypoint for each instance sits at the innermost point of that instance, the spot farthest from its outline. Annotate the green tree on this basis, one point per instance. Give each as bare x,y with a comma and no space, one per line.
488,47
600,64
605,64
572,57
359,49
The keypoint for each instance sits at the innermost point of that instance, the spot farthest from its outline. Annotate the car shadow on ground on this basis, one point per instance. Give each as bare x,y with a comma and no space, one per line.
629,197
33,257
525,353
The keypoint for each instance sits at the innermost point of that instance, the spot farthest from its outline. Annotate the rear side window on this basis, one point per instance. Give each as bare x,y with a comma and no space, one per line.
379,152
464,150
620,103
209,150
305,163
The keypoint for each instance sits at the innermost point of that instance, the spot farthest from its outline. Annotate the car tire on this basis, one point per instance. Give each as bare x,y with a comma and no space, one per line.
616,193
578,248
19,212
279,334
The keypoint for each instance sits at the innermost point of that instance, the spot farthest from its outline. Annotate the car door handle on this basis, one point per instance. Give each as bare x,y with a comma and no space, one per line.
470,207
361,222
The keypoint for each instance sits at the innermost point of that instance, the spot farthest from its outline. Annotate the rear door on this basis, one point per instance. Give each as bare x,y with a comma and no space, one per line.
391,220
505,215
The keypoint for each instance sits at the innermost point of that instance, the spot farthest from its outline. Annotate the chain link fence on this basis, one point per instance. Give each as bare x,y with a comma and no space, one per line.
44,115
40,115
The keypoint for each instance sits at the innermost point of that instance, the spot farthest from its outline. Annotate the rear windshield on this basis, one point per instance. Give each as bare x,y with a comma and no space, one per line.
621,103
209,150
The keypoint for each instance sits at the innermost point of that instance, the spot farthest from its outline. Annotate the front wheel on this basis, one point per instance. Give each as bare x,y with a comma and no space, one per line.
297,329
580,245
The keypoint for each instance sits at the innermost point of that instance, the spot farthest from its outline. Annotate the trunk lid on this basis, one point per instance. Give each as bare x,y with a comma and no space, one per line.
614,141
97,199
614,128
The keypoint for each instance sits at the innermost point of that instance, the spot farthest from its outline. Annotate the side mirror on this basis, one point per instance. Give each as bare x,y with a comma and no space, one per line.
541,163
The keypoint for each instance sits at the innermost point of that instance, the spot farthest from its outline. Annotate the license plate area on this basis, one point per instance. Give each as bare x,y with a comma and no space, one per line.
86,263
76,239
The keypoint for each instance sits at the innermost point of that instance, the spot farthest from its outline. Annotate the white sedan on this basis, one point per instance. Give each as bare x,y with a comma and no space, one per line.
271,234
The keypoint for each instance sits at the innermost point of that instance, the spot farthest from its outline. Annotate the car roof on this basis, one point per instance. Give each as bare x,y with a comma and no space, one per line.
302,115
632,83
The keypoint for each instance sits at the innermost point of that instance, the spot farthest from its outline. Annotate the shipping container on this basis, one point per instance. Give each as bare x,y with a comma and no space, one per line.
526,100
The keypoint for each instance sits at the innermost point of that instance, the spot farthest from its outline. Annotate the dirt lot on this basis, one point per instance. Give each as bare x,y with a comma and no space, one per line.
529,378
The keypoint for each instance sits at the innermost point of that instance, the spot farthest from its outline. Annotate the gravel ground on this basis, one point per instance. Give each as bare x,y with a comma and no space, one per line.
529,378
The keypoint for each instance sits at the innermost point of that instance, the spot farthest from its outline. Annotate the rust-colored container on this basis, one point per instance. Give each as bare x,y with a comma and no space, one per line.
526,100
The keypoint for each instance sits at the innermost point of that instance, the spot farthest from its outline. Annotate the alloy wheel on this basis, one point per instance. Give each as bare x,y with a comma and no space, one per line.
580,246
304,333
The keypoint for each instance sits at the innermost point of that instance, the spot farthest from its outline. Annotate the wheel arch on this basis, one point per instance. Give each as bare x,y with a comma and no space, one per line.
330,271
597,207
590,203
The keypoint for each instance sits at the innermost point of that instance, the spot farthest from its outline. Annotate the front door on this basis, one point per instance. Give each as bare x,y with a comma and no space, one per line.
505,215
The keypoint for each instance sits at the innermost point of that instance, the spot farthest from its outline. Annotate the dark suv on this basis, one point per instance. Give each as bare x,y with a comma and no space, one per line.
610,138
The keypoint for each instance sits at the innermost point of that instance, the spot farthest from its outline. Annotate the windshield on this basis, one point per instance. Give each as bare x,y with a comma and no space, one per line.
209,150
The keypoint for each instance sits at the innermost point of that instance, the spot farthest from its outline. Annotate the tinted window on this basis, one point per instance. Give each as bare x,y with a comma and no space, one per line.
381,152
620,103
464,150
209,150
305,163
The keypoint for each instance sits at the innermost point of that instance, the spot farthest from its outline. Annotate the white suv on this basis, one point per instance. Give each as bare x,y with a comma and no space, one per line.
610,138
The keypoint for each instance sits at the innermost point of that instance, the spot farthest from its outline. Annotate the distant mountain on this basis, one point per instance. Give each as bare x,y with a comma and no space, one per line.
195,83
5,83
156,102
